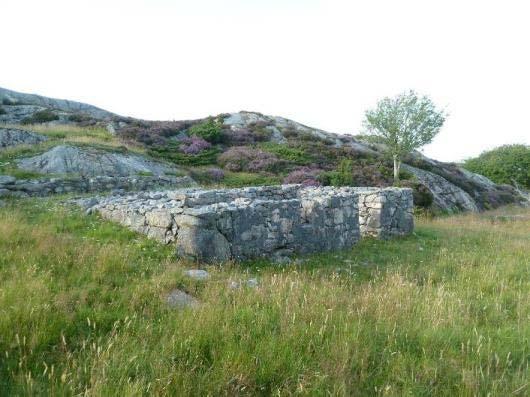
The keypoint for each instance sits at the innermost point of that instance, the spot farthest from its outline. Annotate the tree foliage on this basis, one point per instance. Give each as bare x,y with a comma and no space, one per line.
505,164
404,123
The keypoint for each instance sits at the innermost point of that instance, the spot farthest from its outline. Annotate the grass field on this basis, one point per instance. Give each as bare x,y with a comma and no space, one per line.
443,312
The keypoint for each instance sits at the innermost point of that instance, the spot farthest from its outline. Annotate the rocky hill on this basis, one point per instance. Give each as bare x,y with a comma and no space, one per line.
235,149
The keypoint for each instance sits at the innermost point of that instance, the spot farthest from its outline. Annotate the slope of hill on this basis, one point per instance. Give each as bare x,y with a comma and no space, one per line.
247,148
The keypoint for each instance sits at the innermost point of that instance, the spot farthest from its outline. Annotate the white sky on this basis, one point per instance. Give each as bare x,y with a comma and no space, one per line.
322,63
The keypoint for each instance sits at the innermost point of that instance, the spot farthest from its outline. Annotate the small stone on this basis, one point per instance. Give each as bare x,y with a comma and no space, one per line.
197,274
181,299
250,283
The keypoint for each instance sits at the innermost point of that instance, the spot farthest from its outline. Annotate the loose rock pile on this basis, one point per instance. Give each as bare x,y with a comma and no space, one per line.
223,224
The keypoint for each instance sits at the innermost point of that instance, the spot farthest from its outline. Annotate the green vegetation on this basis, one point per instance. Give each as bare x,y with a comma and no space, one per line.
342,176
42,116
295,155
241,179
209,130
2,110
442,312
172,153
404,123
509,164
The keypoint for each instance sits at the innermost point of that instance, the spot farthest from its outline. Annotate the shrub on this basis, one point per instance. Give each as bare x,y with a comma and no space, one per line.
209,130
172,152
2,110
216,174
42,116
79,118
292,154
246,136
242,158
193,145
343,175
505,164
239,137
208,176
153,132
305,176
241,179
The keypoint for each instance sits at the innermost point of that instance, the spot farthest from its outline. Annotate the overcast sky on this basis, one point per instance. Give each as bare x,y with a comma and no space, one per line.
322,63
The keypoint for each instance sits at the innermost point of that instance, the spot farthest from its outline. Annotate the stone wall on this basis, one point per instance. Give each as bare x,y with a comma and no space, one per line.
12,187
385,213
217,225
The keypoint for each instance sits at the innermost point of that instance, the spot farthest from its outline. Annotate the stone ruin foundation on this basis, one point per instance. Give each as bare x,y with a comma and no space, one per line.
267,221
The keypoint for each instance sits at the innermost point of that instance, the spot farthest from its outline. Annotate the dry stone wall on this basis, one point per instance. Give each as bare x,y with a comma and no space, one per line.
224,224
20,188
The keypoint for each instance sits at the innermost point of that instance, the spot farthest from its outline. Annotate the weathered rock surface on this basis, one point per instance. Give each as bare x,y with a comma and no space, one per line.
447,196
223,224
65,159
18,106
14,136
12,187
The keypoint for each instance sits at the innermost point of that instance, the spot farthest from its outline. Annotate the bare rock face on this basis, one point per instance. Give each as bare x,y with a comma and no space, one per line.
447,196
14,136
66,159
18,105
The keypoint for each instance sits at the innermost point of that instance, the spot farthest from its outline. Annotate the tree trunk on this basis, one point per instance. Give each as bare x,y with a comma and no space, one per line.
397,165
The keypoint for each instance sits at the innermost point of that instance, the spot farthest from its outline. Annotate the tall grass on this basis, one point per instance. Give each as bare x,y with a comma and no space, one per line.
443,312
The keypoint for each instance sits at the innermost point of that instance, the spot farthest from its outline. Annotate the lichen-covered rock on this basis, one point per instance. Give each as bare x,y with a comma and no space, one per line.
447,196
14,136
66,159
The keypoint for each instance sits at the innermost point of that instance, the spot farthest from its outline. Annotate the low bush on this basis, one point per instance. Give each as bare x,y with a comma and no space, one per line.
509,164
294,155
210,130
42,116
193,145
304,175
241,179
207,176
245,136
172,153
153,133
243,158
2,110
80,118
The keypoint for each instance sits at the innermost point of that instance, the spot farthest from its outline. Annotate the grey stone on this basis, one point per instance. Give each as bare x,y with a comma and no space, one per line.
15,136
180,299
197,274
250,283
269,221
66,159
7,180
